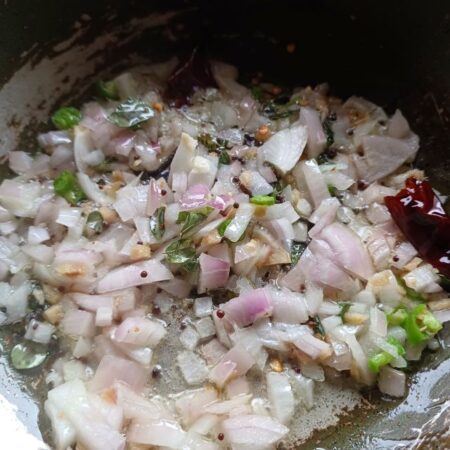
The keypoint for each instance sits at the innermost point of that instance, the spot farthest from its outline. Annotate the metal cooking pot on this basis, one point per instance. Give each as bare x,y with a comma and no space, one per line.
396,54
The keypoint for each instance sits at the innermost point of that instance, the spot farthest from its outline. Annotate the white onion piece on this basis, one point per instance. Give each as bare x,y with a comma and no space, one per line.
213,351
283,210
21,199
53,138
20,162
323,216
288,307
164,433
392,382
313,347
317,140
176,287
179,184
313,298
92,302
376,193
382,156
204,424
139,331
40,332
423,279
184,156
239,223
131,275
37,235
82,348
280,395
338,179
204,170
303,388
398,126
92,431
112,369
69,217
442,315
238,386
235,362
255,183
214,273
378,322
78,323
193,368
189,338
63,433
92,190
226,76
362,373
249,307
203,306
228,406
131,201
40,253
190,405
82,146
103,316
404,253
349,251
377,213
253,430
285,147
282,228
314,180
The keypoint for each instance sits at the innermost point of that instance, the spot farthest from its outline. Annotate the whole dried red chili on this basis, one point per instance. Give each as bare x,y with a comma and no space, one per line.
194,71
421,217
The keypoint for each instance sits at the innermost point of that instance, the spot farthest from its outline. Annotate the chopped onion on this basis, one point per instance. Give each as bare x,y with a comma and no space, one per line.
317,140
139,331
165,433
392,382
37,235
92,431
423,279
253,430
91,189
40,332
103,316
193,368
239,223
314,180
255,183
176,287
214,273
280,394
349,251
288,307
249,307
78,323
191,404
138,274
285,147
112,369
313,347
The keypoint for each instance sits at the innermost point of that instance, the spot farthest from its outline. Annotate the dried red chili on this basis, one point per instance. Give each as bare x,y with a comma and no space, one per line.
421,217
194,71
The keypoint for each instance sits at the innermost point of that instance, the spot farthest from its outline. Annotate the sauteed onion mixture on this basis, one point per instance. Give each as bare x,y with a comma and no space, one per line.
185,227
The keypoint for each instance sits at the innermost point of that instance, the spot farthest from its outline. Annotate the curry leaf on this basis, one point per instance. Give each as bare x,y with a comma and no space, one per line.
131,113
182,252
190,219
157,223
